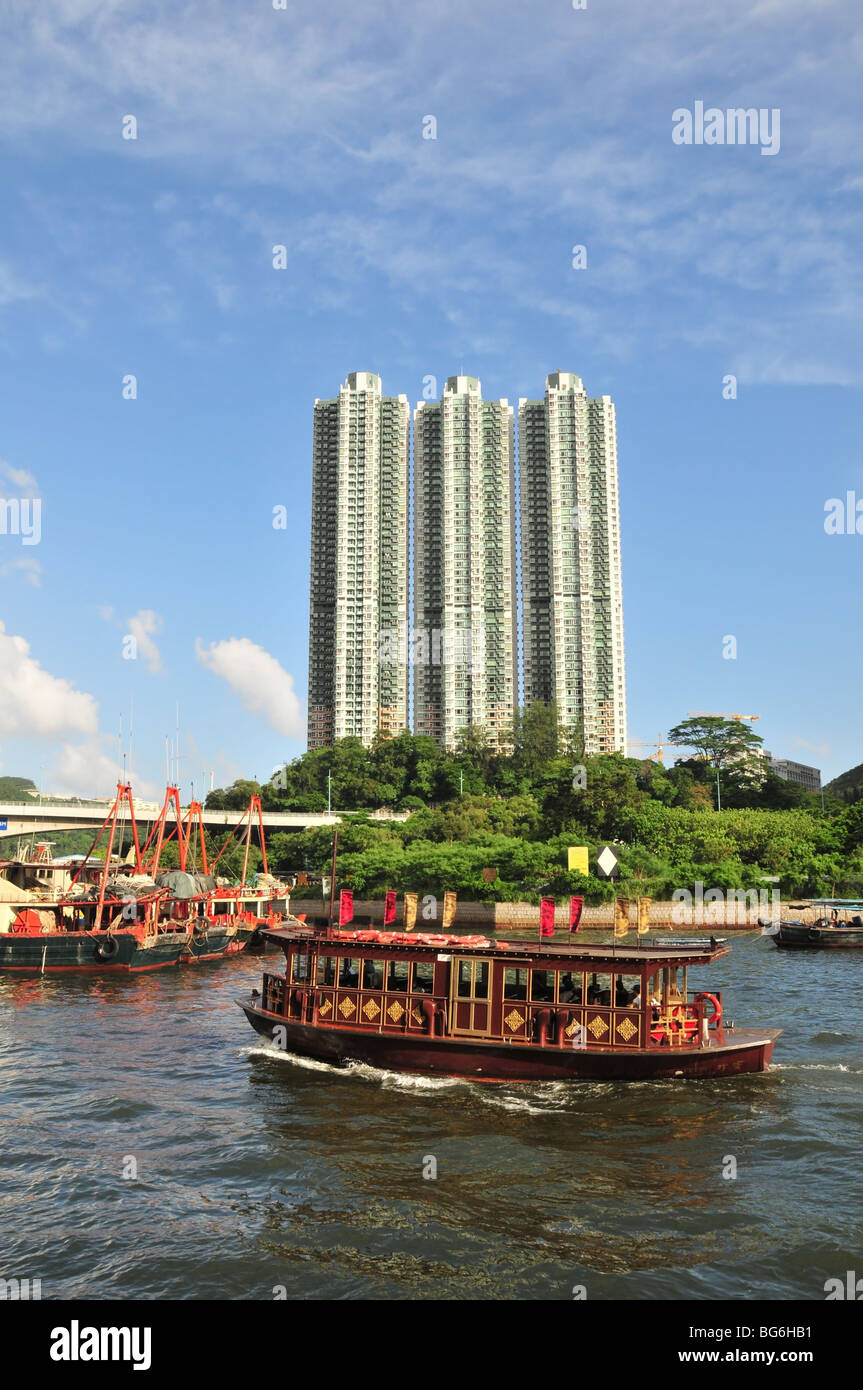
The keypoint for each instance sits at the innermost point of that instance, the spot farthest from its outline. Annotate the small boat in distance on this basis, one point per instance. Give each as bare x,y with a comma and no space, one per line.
838,926
491,1010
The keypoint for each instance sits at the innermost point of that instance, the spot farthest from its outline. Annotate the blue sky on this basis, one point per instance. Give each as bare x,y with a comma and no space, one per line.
407,256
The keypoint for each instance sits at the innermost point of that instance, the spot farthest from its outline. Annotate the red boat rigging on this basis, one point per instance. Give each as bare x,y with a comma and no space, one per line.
138,916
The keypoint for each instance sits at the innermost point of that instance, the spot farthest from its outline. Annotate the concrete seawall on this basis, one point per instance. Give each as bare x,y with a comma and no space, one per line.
728,916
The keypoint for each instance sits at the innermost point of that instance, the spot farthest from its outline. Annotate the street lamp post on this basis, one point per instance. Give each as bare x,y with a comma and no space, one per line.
329,793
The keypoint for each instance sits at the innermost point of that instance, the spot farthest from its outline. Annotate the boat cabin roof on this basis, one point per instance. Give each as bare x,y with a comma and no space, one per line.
849,904
675,951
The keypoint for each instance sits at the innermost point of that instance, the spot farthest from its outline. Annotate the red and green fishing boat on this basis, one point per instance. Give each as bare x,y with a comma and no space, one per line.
134,916
495,1010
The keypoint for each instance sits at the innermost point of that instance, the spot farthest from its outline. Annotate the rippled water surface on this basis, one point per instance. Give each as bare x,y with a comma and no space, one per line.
257,1171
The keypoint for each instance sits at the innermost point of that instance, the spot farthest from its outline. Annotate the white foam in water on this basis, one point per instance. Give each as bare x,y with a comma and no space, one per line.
812,1066
278,1054
406,1081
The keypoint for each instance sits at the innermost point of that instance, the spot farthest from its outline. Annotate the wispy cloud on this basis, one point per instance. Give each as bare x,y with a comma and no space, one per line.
20,479
143,626
561,135
822,750
27,566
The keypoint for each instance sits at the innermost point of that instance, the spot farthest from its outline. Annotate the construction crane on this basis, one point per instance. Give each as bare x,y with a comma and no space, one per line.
703,714
640,743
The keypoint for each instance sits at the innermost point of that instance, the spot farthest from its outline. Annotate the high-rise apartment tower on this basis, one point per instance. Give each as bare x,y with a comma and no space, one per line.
572,605
359,563
465,644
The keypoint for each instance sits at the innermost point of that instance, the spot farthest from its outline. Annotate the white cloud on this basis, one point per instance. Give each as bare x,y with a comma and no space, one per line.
27,566
19,478
823,750
142,627
87,769
35,703
264,687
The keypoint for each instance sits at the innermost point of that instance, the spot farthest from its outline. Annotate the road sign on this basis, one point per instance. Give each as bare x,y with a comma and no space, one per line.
4,824
606,862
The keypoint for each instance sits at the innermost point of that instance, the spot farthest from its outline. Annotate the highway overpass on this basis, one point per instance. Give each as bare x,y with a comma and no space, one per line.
24,817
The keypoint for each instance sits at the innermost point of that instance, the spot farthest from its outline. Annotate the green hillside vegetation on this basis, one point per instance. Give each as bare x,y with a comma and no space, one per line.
16,788
472,809
848,785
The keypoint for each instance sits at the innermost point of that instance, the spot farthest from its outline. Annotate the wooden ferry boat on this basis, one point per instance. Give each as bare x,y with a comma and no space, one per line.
839,927
493,1010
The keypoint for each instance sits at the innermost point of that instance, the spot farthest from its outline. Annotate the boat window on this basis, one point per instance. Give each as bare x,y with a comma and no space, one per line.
299,968
672,975
599,989
542,986
571,990
326,970
627,988
373,974
423,977
514,983
397,976
349,972
473,979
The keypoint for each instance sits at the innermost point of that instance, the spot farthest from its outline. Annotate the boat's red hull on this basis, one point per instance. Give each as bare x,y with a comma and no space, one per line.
743,1051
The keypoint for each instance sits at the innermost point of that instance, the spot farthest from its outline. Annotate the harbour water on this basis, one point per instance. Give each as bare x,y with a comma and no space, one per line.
251,1175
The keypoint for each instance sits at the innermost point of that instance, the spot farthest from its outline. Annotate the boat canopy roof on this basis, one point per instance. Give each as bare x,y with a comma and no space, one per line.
674,952
847,903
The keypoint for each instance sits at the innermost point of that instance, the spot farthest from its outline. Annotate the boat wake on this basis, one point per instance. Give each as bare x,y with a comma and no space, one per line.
277,1054
814,1066
392,1080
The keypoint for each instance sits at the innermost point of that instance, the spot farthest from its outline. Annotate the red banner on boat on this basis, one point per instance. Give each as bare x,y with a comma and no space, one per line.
390,907
546,917
576,906
346,906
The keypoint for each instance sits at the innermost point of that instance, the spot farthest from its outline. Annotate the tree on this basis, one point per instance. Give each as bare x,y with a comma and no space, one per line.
536,737
720,741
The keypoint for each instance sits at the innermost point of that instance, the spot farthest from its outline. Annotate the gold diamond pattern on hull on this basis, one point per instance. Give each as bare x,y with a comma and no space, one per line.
347,1008
626,1029
598,1027
395,1011
513,1020
371,1009
326,1008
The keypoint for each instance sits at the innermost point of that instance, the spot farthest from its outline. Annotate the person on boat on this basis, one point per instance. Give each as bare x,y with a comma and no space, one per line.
348,978
568,992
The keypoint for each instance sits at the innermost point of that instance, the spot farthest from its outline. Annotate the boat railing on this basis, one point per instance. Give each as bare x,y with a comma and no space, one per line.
677,1022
